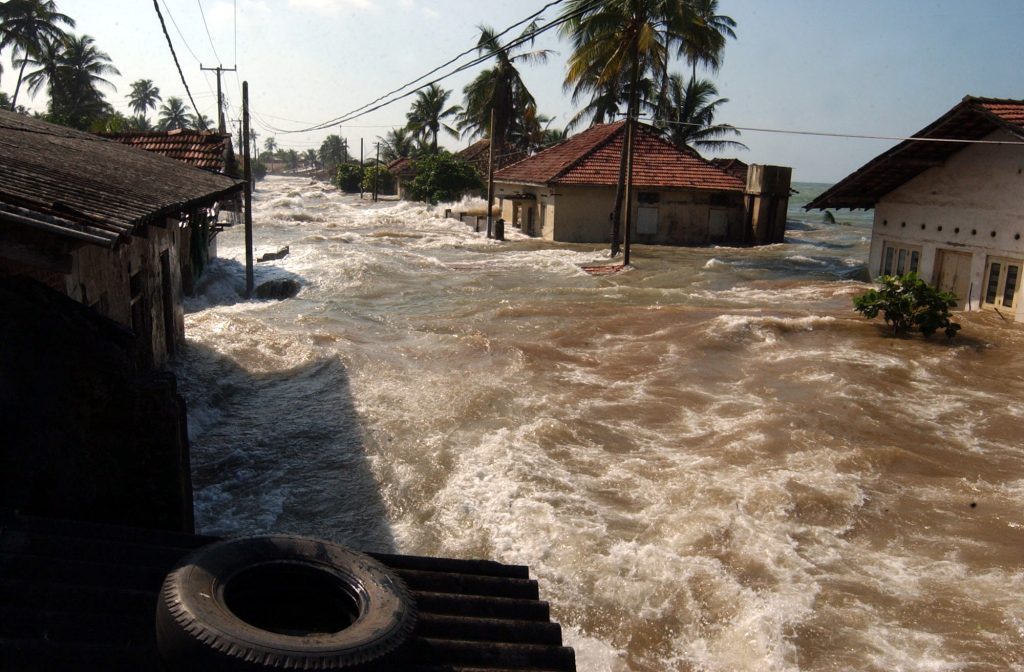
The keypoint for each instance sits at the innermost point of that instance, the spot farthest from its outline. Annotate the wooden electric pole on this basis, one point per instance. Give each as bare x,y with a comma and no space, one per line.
628,196
248,193
221,126
361,169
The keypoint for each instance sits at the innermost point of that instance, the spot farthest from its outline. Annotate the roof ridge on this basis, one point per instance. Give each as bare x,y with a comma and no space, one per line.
596,146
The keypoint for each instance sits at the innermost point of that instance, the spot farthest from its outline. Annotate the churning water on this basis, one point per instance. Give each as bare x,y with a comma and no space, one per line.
709,461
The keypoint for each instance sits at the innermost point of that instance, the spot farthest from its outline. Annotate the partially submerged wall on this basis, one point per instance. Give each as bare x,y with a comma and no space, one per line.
88,434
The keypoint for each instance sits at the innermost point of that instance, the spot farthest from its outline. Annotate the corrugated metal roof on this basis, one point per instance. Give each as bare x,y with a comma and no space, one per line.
592,158
201,149
86,183
973,118
83,595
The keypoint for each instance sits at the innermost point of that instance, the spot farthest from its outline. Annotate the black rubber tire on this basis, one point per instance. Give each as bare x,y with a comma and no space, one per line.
272,578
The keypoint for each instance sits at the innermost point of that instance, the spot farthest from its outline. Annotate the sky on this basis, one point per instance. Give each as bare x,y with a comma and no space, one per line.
871,67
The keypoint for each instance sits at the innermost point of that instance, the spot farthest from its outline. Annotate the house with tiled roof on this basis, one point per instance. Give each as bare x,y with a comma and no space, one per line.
566,192
404,171
949,204
206,150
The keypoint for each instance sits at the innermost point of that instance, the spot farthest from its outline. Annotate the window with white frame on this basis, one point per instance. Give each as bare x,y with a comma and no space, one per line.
1002,282
900,258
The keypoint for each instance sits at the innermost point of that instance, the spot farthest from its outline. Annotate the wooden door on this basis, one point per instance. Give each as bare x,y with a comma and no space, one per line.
953,274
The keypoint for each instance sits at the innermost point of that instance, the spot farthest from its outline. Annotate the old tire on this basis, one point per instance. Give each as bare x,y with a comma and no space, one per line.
263,603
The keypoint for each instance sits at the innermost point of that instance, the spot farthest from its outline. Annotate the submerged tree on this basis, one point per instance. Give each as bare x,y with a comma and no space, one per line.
27,27
426,118
908,302
500,89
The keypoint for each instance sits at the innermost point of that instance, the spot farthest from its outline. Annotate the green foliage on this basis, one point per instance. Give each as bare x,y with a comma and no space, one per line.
385,180
907,302
442,177
348,177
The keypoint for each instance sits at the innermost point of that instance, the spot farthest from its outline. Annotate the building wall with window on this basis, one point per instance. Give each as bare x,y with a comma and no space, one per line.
960,226
574,214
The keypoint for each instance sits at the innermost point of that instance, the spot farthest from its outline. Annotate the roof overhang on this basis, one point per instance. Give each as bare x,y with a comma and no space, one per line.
970,121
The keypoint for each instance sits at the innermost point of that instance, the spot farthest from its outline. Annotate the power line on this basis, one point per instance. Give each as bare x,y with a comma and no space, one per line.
175,24
207,26
175,56
853,136
527,37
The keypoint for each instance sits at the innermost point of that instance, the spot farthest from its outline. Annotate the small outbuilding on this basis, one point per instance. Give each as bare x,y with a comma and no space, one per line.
949,204
566,193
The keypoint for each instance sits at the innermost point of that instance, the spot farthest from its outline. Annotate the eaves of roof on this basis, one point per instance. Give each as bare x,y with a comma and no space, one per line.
971,119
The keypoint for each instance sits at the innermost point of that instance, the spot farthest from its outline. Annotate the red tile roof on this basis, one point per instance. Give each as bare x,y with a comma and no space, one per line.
199,149
973,118
402,167
592,158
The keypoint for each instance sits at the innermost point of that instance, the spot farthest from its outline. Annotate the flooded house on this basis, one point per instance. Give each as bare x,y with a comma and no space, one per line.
565,193
106,224
404,171
949,204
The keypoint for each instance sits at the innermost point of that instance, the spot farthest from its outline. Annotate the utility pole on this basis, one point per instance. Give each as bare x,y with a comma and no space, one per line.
376,173
248,193
490,177
361,169
220,97
630,137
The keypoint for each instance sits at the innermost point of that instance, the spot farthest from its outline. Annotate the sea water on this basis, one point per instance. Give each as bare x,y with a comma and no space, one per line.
709,461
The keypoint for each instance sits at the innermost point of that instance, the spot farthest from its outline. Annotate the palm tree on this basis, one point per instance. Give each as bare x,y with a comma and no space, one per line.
333,151
426,118
173,114
396,144
311,158
144,96
74,70
270,144
691,116
27,26
200,122
499,89
704,42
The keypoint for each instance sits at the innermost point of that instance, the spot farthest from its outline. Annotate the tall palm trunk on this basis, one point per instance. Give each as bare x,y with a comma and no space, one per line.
17,87
625,159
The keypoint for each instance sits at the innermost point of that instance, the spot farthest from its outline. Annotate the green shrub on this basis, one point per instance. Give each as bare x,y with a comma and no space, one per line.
347,177
907,302
441,178
385,180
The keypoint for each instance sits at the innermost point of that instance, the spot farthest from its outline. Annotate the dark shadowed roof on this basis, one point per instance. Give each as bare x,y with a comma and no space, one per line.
972,118
478,155
402,167
87,187
592,158
82,596
201,149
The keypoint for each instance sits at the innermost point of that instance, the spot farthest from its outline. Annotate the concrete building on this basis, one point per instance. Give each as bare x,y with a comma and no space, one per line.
951,211
103,223
565,193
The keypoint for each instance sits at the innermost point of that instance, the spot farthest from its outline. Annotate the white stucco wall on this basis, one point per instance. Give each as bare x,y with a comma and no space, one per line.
973,203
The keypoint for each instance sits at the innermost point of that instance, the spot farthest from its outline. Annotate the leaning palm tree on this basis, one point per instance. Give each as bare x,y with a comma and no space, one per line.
691,116
144,96
26,26
42,67
500,89
426,118
173,114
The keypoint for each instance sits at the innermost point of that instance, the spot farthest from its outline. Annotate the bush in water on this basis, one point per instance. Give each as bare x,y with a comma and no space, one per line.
441,178
907,302
385,180
347,177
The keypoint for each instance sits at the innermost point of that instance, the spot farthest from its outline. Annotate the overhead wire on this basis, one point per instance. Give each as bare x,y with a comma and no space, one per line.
522,39
167,35
208,36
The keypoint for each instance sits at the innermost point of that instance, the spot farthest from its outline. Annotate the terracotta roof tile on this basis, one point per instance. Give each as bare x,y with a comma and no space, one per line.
1010,111
198,149
592,158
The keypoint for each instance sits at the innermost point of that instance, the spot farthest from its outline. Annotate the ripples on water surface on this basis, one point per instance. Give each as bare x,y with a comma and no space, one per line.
710,462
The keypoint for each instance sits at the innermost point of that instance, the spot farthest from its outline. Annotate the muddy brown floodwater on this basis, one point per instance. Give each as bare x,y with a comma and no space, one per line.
710,462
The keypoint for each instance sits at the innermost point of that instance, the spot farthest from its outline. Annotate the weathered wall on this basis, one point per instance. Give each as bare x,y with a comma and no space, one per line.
87,434
973,203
